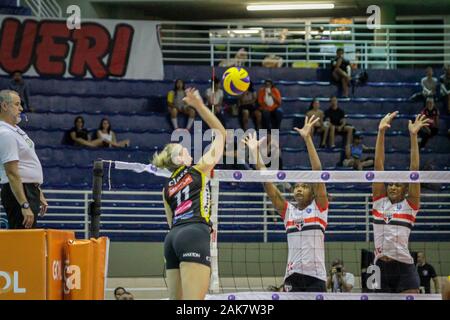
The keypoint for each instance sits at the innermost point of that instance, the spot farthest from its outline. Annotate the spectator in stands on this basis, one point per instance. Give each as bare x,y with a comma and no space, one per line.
118,292
319,127
341,71
79,136
269,100
126,296
432,114
445,87
340,280
216,99
176,105
18,85
354,154
335,120
426,273
108,136
429,86
248,108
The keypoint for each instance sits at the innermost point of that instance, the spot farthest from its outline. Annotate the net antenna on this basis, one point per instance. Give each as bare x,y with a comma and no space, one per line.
95,207
214,285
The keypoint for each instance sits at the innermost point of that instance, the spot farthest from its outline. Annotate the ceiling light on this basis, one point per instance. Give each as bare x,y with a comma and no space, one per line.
289,6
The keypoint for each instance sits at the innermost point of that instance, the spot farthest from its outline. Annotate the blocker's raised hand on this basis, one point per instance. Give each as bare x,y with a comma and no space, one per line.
385,123
193,98
420,122
309,125
252,142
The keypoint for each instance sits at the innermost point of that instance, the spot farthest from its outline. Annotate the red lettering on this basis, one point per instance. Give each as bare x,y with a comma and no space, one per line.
118,59
91,46
16,46
180,185
52,50
45,45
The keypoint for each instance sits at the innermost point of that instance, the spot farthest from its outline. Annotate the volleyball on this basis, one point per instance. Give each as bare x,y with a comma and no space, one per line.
235,81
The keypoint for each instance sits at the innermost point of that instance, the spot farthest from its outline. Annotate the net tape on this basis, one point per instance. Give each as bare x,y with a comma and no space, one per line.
333,176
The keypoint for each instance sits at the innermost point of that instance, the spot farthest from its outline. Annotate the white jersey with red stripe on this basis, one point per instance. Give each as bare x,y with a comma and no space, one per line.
392,224
305,235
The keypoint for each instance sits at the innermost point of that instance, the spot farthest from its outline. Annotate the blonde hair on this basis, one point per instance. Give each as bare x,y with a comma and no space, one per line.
164,160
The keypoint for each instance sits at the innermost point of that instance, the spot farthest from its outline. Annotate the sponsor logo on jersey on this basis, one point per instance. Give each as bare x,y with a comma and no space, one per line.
180,185
387,217
186,205
184,216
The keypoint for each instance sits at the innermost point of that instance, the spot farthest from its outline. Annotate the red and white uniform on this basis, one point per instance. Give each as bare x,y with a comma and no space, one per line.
305,235
392,224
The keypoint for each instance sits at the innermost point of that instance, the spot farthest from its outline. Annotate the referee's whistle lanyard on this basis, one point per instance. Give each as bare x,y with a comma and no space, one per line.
20,132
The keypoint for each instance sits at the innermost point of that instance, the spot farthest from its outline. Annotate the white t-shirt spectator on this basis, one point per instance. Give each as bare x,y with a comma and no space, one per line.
268,99
17,146
349,280
429,86
217,97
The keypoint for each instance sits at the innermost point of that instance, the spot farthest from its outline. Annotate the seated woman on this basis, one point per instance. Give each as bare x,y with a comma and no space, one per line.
248,108
176,105
78,135
354,154
431,112
269,100
108,136
319,127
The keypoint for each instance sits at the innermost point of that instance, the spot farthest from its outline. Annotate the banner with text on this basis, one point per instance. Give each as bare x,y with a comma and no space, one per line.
99,49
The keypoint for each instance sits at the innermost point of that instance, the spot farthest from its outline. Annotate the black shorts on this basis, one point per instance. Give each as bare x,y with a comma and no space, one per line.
188,243
13,208
297,282
250,107
397,277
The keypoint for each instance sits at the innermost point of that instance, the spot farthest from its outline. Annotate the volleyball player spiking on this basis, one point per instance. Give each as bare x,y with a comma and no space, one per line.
187,204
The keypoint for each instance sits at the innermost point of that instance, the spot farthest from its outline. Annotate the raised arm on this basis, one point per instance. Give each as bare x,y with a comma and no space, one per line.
320,189
379,189
278,201
414,188
214,154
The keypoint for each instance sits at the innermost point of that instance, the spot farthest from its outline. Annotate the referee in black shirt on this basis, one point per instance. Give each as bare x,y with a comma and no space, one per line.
20,169
426,273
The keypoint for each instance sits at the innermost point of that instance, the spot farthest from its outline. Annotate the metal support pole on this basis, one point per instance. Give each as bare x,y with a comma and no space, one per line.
96,204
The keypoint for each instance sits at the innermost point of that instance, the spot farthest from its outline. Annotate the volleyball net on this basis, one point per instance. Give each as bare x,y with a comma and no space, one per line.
250,250
249,247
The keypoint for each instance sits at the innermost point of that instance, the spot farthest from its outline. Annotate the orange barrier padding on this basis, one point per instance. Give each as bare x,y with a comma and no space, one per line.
23,264
101,252
43,264
56,242
85,270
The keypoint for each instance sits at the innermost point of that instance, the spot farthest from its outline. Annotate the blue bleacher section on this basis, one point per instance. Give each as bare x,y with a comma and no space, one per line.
9,7
137,111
